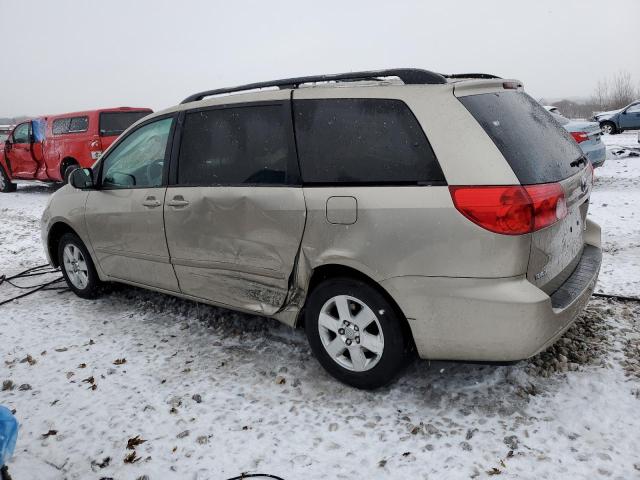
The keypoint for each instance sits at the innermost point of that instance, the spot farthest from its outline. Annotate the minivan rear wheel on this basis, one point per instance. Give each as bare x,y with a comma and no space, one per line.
77,267
355,333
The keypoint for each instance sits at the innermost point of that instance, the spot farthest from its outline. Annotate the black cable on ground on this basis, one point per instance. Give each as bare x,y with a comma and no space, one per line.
30,272
617,297
254,475
37,288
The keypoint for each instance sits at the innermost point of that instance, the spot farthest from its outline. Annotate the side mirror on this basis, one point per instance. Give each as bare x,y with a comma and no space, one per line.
81,178
7,145
120,180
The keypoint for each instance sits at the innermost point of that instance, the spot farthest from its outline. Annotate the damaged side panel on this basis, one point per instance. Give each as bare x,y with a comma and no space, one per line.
236,246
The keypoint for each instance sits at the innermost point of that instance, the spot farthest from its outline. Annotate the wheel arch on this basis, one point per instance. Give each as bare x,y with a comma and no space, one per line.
612,122
336,270
56,232
4,163
65,163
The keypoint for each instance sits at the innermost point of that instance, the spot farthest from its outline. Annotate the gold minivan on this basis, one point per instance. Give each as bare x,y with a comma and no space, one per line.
385,212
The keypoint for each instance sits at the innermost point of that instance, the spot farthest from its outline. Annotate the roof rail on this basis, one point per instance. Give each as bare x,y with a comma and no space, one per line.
410,76
470,75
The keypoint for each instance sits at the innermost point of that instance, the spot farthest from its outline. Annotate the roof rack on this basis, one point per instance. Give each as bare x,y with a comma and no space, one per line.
410,76
471,75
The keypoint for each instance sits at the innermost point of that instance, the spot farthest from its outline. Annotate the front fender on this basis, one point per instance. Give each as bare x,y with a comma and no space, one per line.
612,119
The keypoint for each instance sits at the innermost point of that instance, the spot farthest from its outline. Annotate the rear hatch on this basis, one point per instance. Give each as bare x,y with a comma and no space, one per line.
540,151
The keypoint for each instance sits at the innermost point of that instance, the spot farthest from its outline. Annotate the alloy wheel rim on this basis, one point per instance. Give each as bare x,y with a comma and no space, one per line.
607,129
2,181
351,333
76,266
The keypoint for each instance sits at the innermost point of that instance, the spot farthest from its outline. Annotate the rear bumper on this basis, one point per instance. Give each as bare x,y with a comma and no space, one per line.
503,319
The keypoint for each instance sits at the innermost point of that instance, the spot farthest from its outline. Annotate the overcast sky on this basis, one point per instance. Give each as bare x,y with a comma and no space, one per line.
60,56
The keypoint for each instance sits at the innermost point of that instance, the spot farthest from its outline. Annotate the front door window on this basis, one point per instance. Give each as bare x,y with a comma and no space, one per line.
21,134
138,161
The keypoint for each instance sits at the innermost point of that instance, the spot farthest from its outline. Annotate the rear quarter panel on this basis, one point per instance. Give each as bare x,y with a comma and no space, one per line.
407,231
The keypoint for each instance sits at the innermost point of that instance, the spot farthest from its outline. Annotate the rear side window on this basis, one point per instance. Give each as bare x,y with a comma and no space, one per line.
70,125
536,146
114,123
61,125
240,145
362,141
78,124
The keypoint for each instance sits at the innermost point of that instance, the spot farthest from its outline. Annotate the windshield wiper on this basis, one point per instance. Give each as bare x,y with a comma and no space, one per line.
576,163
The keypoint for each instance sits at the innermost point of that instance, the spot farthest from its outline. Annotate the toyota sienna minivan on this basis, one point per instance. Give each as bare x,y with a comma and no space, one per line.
385,212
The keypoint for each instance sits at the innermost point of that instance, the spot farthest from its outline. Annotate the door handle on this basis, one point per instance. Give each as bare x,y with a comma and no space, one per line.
151,202
178,201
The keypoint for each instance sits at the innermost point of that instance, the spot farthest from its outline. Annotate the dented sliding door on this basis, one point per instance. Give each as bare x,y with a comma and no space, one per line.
235,215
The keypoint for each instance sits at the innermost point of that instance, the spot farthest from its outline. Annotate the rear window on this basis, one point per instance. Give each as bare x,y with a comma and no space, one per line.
114,123
536,146
362,141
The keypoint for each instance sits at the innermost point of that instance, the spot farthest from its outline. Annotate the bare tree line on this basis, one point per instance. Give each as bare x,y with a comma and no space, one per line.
614,93
609,94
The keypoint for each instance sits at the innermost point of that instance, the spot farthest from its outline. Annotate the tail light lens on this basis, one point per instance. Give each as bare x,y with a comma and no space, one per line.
580,136
511,209
95,148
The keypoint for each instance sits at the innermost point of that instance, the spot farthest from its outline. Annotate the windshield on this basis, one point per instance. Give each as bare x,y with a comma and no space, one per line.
534,143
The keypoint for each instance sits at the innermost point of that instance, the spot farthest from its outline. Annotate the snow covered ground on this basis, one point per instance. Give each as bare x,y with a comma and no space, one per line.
215,393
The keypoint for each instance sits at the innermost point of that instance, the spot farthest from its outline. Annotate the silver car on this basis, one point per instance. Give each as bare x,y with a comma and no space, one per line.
346,206
588,136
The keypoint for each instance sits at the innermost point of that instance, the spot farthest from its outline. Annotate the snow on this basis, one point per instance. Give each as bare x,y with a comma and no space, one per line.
439,420
616,193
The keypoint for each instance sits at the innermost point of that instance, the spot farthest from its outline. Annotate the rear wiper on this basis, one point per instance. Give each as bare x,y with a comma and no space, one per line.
576,163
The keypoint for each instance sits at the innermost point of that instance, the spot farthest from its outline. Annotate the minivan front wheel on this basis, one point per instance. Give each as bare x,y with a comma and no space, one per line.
77,267
355,333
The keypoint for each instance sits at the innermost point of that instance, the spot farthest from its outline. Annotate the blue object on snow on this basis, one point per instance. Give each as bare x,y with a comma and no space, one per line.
8,434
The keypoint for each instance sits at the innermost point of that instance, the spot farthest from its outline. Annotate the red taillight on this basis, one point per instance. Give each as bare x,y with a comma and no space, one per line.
548,203
580,136
511,209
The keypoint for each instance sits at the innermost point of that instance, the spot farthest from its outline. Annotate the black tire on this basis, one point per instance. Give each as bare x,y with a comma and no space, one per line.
67,172
94,285
395,345
607,125
6,185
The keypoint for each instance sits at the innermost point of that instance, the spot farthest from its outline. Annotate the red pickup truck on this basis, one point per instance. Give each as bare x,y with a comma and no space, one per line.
49,148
